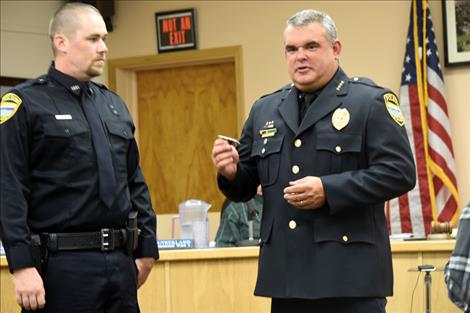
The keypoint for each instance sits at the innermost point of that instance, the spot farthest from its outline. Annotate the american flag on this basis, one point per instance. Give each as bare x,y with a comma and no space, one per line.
423,103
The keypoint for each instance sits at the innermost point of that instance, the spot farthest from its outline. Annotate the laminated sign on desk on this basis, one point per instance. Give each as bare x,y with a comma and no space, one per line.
175,244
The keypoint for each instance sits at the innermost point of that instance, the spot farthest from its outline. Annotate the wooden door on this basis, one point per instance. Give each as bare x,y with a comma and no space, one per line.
181,110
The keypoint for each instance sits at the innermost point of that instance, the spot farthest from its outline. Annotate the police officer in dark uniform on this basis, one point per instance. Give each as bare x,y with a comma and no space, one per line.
76,219
328,150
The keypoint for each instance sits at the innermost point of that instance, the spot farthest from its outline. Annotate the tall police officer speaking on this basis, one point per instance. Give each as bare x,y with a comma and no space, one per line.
328,150
76,218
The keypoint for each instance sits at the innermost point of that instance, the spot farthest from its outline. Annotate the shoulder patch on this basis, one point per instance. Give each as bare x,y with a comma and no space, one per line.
8,107
393,108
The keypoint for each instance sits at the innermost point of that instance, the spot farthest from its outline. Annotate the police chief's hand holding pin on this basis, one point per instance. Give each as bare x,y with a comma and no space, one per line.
225,156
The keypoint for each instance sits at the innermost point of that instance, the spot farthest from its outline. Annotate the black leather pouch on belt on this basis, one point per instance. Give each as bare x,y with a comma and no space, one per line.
132,232
39,253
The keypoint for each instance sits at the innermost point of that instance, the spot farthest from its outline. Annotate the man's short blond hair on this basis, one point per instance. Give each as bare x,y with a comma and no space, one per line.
67,20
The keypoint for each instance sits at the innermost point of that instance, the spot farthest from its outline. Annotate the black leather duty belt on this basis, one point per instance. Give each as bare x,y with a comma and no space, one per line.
105,240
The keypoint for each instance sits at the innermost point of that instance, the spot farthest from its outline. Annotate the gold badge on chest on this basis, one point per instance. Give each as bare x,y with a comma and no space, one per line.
340,118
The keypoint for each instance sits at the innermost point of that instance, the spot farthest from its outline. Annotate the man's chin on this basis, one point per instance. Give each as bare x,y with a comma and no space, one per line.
304,85
94,72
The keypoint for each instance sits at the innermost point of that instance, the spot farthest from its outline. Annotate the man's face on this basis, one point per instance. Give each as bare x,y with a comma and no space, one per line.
311,61
86,48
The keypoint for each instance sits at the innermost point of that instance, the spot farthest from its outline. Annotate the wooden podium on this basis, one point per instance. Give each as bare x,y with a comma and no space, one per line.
222,280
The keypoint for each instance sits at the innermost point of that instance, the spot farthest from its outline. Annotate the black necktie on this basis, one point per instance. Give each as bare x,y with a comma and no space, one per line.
104,161
305,99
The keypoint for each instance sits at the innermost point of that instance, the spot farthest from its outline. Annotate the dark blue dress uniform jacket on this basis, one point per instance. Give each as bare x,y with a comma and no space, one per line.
343,248
49,179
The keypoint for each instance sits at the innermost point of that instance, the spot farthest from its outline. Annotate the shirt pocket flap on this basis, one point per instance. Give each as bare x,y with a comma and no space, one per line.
120,129
62,128
332,142
343,230
272,145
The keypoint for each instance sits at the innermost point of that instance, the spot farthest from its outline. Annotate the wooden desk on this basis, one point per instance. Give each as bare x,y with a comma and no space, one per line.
408,255
222,280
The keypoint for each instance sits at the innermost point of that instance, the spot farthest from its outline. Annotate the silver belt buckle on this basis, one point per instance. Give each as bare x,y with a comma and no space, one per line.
107,240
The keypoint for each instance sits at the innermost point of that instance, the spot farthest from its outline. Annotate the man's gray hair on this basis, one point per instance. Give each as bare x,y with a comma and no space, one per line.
305,17
67,19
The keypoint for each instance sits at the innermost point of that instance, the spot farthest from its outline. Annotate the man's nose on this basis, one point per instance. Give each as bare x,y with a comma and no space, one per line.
301,53
102,47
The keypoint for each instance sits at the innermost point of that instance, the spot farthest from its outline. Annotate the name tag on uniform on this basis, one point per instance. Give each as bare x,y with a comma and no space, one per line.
63,117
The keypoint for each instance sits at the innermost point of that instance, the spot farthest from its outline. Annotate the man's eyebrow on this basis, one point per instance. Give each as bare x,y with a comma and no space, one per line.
98,35
313,42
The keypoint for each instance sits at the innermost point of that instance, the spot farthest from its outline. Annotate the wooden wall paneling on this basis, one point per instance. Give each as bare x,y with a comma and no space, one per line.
122,77
7,289
181,111
216,286
126,82
404,282
223,279
439,292
152,295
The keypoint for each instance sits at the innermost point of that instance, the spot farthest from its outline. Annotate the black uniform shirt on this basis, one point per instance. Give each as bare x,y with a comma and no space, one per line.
49,179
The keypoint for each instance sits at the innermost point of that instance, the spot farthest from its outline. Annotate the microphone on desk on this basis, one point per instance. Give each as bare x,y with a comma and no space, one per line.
251,212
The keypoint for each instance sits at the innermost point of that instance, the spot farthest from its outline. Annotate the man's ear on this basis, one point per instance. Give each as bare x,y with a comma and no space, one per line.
337,49
61,42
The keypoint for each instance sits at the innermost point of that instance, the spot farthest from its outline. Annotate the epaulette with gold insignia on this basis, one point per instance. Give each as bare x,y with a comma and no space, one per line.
364,81
286,87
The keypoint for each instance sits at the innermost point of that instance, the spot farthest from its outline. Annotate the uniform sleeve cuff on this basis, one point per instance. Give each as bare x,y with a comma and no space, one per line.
147,248
237,190
329,200
19,256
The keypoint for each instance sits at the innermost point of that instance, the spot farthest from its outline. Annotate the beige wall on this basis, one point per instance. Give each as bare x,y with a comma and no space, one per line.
25,49
373,35
24,44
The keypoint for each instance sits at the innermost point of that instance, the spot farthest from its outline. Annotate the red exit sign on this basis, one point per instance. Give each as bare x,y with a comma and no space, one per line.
176,30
